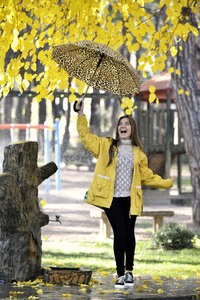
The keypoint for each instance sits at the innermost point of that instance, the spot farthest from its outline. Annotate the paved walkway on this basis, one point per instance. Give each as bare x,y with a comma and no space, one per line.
145,287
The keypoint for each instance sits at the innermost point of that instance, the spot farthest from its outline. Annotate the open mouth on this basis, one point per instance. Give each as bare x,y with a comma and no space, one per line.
123,131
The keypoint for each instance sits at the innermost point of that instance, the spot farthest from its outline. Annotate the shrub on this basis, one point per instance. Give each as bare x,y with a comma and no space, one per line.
173,236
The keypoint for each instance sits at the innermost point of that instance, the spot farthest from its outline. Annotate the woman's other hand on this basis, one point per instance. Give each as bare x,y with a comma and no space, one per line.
173,179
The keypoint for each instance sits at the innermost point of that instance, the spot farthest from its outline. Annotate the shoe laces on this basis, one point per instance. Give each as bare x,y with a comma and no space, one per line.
129,277
120,279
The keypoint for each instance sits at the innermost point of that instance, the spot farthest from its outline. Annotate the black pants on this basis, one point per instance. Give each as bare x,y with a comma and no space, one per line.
123,227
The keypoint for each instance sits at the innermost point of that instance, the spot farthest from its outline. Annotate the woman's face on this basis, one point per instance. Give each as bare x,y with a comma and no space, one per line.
124,129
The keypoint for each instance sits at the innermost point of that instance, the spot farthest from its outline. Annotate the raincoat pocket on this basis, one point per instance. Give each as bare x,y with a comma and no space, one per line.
139,200
101,186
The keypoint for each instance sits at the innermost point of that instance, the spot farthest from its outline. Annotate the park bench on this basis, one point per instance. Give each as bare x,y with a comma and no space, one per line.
105,228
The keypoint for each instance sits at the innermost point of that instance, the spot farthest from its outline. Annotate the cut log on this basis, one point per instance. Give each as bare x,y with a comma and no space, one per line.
20,216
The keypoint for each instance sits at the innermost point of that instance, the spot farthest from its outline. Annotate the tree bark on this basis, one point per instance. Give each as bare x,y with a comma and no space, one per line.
66,136
189,112
20,216
95,120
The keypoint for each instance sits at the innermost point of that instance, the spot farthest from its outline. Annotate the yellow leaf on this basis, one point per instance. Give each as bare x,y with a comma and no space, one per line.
181,91
128,111
177,72
80,90
123,105
171,70
139,289
33,67
104,273
130,103
144,74
62,85
152,89
66,295
152,97
43,202
144,286
83,290
40,291
136,47
187,93
72,98
173,51
25,84
18,79
160,291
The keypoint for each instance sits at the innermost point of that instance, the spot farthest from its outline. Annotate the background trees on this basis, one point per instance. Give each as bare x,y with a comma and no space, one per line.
155,33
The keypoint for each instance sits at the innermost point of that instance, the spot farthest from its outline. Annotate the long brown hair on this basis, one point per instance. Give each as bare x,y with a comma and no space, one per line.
134,138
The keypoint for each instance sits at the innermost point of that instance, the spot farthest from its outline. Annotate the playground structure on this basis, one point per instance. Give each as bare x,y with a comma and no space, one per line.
57,150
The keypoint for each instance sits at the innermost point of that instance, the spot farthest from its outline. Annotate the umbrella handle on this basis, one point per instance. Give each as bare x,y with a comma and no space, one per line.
74,107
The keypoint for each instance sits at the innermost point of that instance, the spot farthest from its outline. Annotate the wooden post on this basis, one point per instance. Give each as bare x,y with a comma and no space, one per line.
20,216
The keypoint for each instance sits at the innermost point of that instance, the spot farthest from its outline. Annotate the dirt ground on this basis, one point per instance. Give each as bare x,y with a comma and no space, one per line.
74,214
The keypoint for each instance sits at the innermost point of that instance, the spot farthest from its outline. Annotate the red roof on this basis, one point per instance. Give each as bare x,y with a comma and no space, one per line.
163,85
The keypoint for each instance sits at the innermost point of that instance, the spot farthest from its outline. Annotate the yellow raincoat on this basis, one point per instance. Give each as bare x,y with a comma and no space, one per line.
101,190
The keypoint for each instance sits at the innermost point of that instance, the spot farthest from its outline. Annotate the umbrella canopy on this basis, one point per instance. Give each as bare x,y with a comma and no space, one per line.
99,66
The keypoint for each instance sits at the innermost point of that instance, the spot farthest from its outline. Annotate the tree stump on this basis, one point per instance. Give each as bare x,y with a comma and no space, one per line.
20,216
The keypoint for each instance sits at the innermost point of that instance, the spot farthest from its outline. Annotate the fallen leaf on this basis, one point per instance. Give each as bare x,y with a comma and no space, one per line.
144,286
83,290
139,289
160,291
40,291
43,202
66,295
104,273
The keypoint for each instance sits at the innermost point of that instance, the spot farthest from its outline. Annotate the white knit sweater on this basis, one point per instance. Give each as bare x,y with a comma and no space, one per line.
124,169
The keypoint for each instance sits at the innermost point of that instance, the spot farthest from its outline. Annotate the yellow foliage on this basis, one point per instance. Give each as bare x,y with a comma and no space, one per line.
152,89
43,202
181,91
55,22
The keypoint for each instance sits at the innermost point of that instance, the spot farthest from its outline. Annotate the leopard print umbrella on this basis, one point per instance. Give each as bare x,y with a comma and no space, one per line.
99,66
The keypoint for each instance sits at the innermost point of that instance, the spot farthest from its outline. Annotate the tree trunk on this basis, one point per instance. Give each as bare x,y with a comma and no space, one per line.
8,102
95,120
189,113
20,216
66,136
42,119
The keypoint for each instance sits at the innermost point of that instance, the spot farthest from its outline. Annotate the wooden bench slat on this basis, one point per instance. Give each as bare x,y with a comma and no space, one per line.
157,213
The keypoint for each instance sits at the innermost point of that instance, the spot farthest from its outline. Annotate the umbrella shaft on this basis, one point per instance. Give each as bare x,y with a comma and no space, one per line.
99,62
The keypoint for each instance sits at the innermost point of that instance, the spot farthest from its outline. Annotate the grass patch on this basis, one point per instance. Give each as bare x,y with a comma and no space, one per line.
96,254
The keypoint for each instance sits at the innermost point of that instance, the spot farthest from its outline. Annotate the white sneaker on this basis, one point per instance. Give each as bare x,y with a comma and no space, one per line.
119,284
129,281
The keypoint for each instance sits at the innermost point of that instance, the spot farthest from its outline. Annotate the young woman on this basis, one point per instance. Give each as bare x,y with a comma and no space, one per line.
120,171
